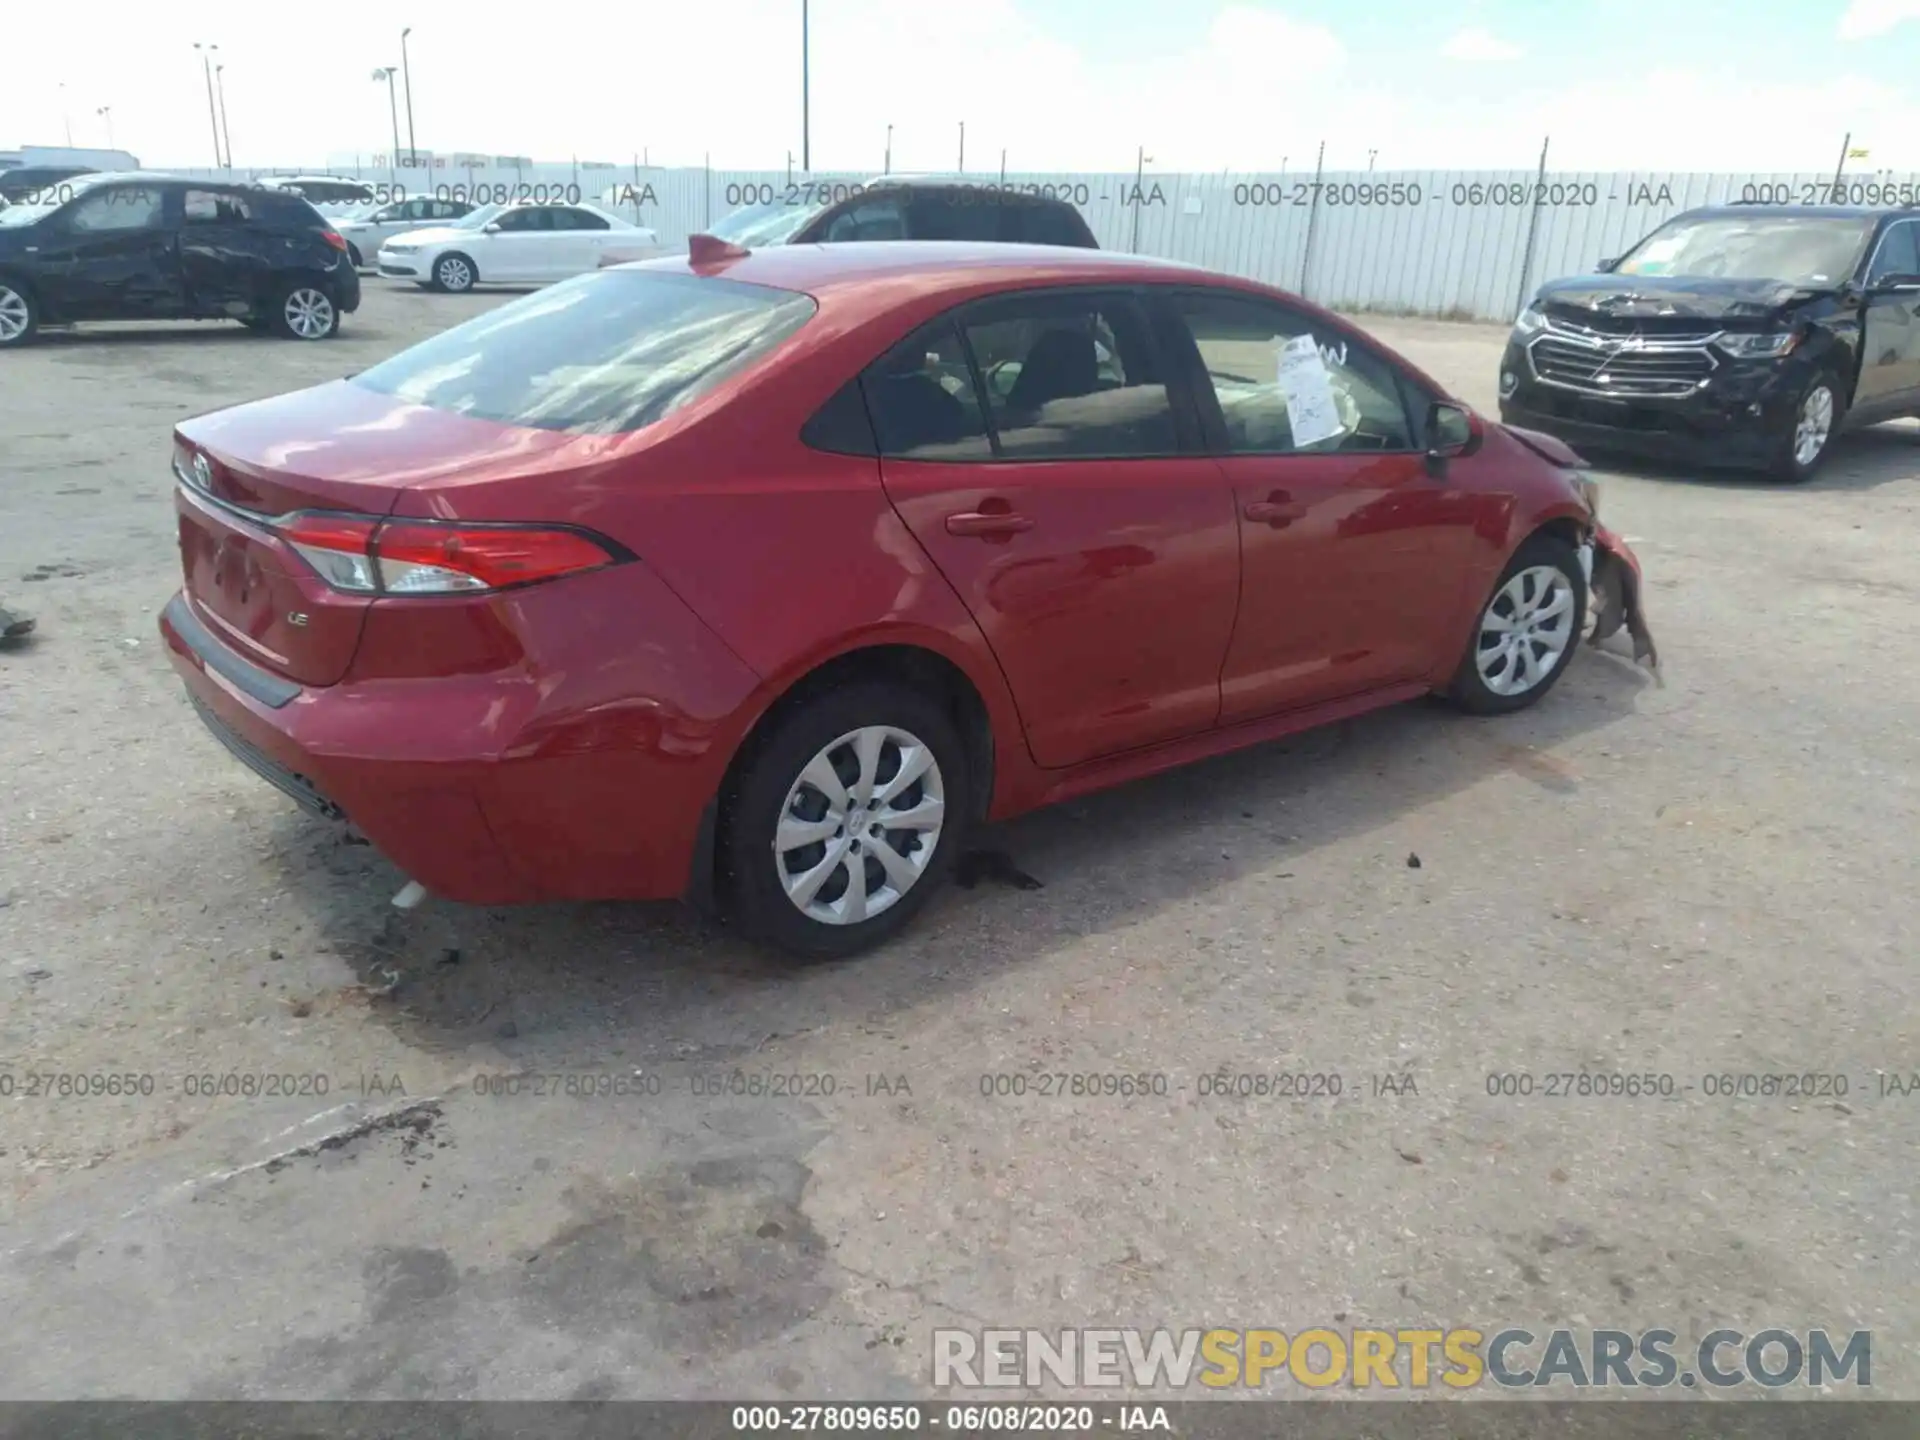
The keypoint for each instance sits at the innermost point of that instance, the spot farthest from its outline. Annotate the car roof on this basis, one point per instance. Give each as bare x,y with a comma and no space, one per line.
815,269
935,181
1745,211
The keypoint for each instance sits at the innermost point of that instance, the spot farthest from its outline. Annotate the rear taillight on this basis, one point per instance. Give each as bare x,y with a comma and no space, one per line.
365,556
335,239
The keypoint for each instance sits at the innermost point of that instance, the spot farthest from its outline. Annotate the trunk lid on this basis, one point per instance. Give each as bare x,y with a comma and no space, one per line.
336,447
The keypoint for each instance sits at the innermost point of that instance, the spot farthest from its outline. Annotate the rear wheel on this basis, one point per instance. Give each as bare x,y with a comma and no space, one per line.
846,820
305,312
1527,631
1808,439
454,272
19,315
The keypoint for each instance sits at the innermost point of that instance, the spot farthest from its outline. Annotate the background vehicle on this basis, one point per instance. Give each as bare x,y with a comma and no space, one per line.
367,231
909,207
156,247
333,196
1738,335
796,598
513,244
27,184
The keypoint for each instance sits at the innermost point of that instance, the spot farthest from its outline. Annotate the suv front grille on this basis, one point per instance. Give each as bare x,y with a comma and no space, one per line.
1625,368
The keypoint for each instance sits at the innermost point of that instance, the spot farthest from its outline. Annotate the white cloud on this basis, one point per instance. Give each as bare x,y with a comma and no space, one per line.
1478,44
1866,18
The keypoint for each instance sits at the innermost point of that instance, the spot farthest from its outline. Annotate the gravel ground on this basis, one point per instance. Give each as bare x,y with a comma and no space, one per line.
1714,875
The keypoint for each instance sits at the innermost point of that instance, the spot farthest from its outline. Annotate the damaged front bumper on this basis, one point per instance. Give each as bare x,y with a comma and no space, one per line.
1618,594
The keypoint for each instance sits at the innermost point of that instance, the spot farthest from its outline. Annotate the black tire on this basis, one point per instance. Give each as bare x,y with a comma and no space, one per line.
751,812
447,272
1470,689
282,317
1786,466
16,302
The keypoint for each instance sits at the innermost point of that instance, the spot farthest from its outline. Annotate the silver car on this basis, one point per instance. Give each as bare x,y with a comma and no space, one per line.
375,225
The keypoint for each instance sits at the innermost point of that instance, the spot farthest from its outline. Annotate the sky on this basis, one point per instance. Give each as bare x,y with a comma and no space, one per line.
1059,85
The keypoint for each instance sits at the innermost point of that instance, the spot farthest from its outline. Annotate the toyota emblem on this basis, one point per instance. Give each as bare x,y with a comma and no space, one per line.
203,473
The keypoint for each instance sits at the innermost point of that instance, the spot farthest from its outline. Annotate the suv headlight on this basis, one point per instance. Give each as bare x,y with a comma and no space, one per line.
1529,320
1760,347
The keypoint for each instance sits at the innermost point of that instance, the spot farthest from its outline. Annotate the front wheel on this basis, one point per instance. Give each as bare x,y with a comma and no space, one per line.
1527,631
1805,443
454,273
19,316
305,312
846,820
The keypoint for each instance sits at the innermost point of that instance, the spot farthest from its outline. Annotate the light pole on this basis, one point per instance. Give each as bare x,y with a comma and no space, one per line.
65,118
105,112
886,165
406,75
1370,156
220,86
963,147
806,111
386,73
207,53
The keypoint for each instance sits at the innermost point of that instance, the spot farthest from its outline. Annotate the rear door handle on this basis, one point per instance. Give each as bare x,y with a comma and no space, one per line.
988,524
1277,510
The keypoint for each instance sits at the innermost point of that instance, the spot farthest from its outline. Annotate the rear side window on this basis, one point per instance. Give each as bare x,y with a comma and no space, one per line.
923,400
1050,224
955,215
600,354
213,207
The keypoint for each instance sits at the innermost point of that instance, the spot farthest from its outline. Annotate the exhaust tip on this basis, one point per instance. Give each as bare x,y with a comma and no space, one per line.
411,894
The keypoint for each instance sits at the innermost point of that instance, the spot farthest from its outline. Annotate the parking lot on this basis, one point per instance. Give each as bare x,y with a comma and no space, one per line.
1709,876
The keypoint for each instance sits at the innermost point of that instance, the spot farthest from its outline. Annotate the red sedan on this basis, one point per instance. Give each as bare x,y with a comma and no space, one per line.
757,578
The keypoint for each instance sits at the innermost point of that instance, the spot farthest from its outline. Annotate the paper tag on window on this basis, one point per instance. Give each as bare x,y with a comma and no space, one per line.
1312,414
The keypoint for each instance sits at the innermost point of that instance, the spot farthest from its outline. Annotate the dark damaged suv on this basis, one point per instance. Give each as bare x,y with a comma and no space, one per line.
1743,335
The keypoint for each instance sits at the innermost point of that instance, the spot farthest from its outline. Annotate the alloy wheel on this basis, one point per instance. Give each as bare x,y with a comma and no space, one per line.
1814,424
859,825
455,274
1525,630
309,314
13,315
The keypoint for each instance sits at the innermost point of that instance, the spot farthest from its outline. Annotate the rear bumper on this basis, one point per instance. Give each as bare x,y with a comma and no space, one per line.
582,770
346,287
335,755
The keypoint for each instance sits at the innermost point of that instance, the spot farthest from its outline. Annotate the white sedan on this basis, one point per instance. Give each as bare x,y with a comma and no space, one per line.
514,244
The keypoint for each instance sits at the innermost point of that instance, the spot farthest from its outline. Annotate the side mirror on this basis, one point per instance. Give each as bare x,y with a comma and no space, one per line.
1605,267
492,227
1451,431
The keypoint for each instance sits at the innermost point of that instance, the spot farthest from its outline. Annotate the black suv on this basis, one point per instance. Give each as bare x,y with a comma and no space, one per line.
1743,335
155,247
907,207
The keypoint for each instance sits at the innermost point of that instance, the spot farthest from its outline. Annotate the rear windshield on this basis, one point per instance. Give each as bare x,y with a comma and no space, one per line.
596,355
758,226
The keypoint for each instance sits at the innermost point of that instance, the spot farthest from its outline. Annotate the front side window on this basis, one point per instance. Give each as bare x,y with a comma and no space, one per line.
1897,254
1071,378
527,217
120,207
870,219
1284,386
1813,251
600,354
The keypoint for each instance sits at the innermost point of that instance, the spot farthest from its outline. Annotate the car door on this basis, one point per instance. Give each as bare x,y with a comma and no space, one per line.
516,251
1889,382
112,254
580,236
223,266
1037,451
1353,554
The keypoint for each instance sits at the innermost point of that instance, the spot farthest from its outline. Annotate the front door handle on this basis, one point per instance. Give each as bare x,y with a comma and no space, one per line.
1277,510
988,524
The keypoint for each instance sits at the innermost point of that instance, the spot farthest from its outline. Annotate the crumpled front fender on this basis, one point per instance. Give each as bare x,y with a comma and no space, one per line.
1618,596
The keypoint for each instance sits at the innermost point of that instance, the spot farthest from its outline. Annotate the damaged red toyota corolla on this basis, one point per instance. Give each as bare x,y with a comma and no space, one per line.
756,579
